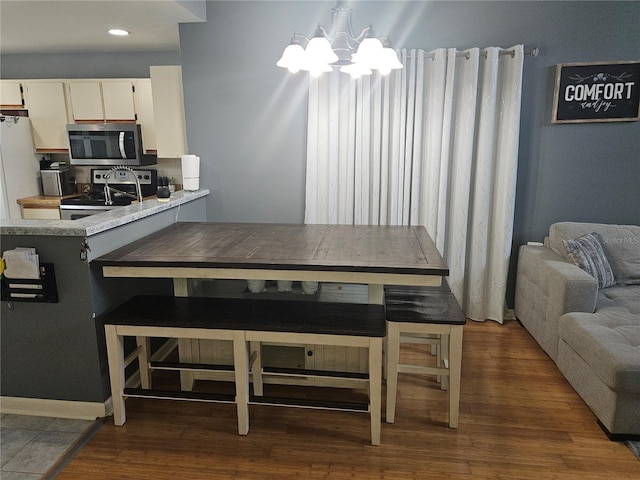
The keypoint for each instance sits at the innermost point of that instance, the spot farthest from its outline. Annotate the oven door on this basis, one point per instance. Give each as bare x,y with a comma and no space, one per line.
75,212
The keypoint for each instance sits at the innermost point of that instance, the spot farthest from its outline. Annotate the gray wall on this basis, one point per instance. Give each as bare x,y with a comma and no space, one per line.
246,117
84,65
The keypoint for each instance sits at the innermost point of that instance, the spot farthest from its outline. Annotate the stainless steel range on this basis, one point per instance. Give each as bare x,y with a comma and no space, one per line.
122,183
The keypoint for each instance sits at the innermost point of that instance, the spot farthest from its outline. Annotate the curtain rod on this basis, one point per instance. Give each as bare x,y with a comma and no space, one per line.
534,52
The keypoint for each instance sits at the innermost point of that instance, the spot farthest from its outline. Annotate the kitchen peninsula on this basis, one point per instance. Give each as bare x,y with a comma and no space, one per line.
53,358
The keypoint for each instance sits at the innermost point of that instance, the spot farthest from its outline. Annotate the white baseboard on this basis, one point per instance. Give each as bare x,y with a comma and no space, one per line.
44,407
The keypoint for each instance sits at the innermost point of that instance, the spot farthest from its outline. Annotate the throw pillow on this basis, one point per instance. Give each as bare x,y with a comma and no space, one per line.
586,252
621,245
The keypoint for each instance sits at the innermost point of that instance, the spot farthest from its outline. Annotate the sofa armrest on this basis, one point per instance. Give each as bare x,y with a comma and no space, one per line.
547,287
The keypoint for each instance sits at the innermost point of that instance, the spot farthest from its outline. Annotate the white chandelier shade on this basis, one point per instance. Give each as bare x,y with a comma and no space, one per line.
355,55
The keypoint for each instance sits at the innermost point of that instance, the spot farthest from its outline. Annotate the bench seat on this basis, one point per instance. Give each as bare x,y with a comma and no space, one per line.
250,314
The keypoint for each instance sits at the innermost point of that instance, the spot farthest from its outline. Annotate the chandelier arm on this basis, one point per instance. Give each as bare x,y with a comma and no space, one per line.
324,32
362,35
299,39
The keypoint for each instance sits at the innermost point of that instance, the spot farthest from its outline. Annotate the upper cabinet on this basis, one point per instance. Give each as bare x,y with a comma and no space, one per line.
118,97
168,111
47,103
11,94
144,107
102,100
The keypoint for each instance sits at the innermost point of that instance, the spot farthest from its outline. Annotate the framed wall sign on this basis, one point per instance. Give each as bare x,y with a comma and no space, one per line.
597,92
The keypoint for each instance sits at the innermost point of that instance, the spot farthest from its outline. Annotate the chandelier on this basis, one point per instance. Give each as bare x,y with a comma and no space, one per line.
339,47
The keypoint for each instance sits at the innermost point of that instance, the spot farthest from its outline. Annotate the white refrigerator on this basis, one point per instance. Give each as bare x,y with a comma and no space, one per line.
19,165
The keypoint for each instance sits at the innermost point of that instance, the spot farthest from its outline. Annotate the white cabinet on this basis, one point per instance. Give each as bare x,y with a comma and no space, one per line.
102,100
86,101
47,104
41,213
118,97
11,94
168,111
144,108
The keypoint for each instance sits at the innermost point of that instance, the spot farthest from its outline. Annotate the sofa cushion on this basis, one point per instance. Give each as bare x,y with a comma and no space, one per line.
621,245
586,252
619,299
609,343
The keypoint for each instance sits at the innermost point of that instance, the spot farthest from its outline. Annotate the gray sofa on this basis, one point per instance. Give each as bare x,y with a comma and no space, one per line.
589,327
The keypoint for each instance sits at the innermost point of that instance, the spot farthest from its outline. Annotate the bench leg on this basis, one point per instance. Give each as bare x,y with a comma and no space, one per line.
375,387
392,357
115,357
256,368
143,361
241,368
455,367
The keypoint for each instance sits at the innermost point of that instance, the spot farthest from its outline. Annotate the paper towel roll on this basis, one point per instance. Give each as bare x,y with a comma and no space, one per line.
190,172
191,184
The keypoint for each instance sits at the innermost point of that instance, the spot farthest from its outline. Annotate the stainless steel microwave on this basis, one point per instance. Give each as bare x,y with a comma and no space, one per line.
107,144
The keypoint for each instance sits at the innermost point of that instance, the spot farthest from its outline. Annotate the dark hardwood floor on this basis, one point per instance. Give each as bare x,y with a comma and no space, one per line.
519,419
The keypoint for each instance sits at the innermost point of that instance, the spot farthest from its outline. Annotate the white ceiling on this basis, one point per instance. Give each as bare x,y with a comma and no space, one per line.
62,26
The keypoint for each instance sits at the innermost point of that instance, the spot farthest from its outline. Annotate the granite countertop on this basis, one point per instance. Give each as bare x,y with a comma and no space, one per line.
101,222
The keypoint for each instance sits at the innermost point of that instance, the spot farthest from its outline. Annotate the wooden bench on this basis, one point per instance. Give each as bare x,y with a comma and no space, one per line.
243,322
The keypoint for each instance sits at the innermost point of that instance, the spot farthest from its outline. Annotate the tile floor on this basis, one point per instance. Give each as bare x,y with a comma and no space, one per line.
30,446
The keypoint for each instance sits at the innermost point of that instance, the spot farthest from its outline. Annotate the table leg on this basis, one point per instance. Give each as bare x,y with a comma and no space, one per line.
181,287
392,359
241,368
443,360
186,354
376,294
455,367
375,387
115,358
143,361
255,359
185,351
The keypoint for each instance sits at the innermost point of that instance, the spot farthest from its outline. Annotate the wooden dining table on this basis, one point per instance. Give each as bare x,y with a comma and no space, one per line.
371,255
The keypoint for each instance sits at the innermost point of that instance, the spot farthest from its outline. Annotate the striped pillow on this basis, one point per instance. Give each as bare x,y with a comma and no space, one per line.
586,252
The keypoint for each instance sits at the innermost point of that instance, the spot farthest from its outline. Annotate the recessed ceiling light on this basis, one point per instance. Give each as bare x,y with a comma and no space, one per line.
118,32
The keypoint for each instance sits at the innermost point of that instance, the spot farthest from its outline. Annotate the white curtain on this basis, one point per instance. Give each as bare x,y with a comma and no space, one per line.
432,144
